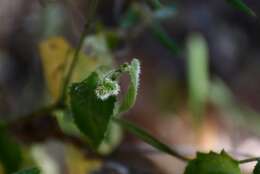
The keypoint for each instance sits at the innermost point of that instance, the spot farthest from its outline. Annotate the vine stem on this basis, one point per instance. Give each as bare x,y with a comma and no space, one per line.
75,59
249,160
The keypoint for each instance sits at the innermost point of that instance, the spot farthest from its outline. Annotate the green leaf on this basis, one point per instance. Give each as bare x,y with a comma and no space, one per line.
198,79
148,138
112,139
213,163
10,152
91,114
32,170
240,5
130,97
257,168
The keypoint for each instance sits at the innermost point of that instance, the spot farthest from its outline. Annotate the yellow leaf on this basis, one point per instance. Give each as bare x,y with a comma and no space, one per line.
56,55
1,169
79,164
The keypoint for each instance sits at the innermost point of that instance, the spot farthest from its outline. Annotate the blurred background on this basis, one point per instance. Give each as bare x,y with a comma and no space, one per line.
200,82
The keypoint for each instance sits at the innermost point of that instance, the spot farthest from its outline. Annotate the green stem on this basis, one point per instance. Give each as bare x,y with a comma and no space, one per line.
249,160
73,64
75,59
148,138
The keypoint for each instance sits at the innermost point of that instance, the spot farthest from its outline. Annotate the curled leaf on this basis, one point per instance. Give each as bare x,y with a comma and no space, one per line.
130,97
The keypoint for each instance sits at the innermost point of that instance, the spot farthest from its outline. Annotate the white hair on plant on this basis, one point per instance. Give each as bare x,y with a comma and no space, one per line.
136,71
107,88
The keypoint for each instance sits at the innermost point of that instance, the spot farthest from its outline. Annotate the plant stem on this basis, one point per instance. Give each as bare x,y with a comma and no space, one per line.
249,160
73,64
148,138
75,59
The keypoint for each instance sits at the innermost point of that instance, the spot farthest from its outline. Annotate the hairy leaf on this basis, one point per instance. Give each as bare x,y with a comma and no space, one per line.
91,114
10,152
130,97
213,163
78,163
240,5
32,170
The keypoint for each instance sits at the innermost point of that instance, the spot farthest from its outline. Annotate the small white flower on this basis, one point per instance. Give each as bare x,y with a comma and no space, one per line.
107,88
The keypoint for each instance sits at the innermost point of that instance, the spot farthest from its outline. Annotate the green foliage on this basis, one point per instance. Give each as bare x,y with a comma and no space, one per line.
130,97
213,163
93,101
32,170
240,5
10,152
257,168
91,114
